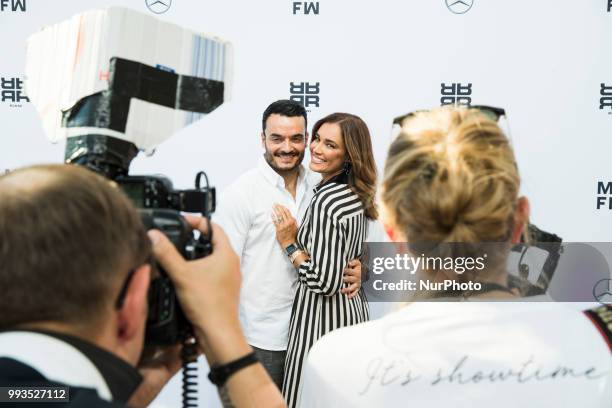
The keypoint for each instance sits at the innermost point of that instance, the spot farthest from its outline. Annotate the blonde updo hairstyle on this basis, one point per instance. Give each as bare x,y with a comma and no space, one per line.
450,177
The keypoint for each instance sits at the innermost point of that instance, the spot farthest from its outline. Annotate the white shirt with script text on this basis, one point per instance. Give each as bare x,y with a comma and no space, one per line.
463,354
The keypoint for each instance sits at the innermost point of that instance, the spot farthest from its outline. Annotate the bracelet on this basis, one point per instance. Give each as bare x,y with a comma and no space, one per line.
295,254
220,373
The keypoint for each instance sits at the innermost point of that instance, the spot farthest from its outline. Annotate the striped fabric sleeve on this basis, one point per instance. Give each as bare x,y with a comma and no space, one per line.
327,247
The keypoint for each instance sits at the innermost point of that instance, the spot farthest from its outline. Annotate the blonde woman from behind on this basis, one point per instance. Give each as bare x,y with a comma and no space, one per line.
451,176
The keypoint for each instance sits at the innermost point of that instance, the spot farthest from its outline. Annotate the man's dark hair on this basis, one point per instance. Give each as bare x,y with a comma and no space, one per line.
68,238
284,107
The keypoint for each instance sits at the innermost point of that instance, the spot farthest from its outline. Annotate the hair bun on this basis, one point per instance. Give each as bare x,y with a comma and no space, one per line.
451,176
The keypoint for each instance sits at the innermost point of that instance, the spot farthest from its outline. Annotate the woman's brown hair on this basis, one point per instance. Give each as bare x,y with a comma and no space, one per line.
360,158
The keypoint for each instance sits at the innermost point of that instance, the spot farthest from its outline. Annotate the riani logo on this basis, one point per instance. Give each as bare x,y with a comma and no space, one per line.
13,5
456,94
606,97
306,7
12,92
306,93
609,5
459,6
604,195
158,6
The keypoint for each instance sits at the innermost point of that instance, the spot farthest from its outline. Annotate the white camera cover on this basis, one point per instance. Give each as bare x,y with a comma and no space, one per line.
73,60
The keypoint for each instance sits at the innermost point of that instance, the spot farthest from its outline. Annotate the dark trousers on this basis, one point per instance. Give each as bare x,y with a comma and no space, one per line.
274,363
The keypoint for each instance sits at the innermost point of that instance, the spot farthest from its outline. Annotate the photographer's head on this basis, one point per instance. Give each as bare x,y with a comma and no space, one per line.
284,135
451,176
68,241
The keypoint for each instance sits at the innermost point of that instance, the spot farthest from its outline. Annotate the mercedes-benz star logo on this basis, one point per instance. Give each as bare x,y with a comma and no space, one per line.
459,6
602,291
158,6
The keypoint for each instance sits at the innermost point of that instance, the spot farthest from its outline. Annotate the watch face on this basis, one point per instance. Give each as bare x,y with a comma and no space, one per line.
291,249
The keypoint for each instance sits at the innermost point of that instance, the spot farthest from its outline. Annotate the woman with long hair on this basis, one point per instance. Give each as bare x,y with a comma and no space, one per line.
332,232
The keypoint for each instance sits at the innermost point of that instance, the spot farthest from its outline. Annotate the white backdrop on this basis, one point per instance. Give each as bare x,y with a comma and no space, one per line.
544,61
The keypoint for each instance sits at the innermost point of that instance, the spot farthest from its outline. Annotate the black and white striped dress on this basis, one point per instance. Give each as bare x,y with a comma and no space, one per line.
332,233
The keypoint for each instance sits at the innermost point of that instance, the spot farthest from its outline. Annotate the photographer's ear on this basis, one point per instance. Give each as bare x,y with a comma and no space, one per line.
521,217
388,222
132,315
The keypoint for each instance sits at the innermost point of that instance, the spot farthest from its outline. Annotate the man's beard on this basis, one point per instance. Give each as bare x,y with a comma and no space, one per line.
270,160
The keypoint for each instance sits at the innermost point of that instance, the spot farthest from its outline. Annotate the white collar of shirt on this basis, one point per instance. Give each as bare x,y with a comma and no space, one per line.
54,359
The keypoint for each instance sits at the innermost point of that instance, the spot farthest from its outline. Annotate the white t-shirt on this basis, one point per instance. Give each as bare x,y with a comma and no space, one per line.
463,354
269,279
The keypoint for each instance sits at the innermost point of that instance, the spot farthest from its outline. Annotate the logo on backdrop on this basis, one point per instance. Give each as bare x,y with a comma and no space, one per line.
602,291
307,7
604,195
306,93
609,5
460,6
158,6
456,94
13,5
606,97
11,91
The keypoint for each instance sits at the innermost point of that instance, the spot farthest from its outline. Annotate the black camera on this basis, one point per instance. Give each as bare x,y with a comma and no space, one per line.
160,207
157,192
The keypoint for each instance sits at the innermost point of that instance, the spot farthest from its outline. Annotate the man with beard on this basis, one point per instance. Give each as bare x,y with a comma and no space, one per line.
245,213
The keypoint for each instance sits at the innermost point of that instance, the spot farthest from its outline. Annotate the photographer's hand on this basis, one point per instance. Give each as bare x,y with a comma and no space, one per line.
156,372
208,290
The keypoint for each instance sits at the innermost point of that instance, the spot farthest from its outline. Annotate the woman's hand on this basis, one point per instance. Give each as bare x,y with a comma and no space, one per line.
286,226
352,276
